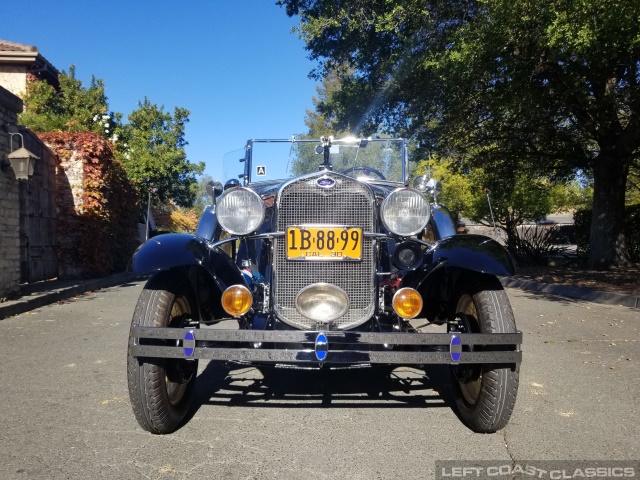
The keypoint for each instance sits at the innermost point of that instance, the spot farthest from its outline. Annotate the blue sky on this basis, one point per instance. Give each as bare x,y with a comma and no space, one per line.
235,65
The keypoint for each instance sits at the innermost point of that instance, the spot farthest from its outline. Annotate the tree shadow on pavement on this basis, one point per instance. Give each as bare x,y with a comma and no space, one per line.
568,294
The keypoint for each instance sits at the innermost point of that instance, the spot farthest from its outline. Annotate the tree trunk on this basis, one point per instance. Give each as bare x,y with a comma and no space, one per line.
607,245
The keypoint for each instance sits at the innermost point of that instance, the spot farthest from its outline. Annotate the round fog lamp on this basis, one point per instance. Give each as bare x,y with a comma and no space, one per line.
407,255
322,302
407,303
237,300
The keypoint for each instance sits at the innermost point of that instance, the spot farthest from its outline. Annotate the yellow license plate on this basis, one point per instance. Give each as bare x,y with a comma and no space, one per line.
324,243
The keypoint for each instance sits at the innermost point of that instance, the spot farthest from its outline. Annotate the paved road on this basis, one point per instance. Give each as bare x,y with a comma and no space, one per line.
64,408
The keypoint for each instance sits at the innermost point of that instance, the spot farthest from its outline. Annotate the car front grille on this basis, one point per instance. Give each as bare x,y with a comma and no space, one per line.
348,203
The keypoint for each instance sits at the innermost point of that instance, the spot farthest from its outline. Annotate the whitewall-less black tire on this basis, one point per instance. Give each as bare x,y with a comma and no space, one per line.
161,389
485,395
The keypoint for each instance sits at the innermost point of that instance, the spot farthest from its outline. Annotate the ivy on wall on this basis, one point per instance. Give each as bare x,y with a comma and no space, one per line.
97,208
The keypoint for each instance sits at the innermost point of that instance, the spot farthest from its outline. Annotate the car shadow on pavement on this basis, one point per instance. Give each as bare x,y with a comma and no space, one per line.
371,387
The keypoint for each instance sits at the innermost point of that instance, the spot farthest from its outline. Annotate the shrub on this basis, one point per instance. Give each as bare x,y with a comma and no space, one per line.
566,235
534,244
171,218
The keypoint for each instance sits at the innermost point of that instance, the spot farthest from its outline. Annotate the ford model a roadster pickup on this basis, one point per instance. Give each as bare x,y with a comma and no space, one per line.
326,257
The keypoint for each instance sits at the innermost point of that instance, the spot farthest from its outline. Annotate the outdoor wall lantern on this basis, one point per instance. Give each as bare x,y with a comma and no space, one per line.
22,161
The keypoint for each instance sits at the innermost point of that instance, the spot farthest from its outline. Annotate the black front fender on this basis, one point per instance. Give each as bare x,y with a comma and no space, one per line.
454,259
473,252
174,250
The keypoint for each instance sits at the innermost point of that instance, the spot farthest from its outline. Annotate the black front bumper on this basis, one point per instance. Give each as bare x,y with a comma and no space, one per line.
333,347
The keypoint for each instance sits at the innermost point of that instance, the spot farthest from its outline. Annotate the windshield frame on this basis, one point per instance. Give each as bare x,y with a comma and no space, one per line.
348,141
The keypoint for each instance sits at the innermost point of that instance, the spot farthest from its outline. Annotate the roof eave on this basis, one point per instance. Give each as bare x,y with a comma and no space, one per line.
18,57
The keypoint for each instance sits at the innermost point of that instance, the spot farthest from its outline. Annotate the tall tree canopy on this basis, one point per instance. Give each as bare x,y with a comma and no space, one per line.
152,149
543,87
151,145
75,108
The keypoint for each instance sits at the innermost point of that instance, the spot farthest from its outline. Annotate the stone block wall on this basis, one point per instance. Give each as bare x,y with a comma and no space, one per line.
38,215
10,106
70,204
96,206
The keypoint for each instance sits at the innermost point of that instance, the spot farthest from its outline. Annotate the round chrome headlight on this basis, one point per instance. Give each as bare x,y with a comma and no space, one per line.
405,212
240,211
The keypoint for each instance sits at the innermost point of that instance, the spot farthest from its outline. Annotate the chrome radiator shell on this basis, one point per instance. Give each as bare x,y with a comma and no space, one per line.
347,203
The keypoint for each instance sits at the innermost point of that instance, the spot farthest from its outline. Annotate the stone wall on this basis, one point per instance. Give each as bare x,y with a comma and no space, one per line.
10,105
70,204
96,206
38,215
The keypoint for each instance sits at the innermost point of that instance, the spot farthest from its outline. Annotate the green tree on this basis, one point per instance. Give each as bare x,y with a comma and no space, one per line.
457,189
202,197
383,157
321,122
151,147
75,108
545,88
570,196
515,198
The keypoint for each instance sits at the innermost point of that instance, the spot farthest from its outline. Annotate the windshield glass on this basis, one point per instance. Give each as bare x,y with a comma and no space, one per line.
365,159
232,165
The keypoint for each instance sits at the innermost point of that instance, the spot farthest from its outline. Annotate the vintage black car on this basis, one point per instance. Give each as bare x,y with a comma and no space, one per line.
326,257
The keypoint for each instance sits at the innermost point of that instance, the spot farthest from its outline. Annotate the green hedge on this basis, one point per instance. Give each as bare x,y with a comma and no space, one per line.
582,220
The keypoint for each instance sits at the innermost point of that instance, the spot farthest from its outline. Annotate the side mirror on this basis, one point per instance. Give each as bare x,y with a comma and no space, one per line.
214,188
430,186
434,187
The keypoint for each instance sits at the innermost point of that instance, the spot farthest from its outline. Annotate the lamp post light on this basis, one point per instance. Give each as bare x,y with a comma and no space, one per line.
22,161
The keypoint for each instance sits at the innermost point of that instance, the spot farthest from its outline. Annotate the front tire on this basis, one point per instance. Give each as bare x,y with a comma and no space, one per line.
161,389
485,395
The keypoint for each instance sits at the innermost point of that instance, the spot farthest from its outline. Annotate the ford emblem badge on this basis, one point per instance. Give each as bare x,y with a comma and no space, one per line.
325,182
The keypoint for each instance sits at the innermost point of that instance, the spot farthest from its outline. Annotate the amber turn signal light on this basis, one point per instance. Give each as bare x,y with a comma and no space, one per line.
237,300
407,303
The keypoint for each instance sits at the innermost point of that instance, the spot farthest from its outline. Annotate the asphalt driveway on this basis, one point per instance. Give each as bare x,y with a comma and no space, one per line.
65,413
